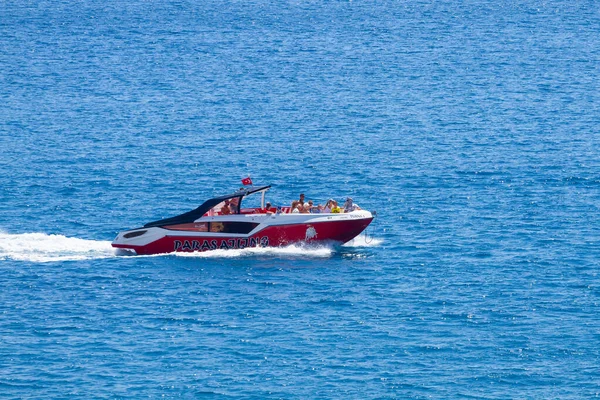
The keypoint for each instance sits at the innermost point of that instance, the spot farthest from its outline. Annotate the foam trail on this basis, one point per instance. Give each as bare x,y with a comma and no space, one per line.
41,247
363,240
294,250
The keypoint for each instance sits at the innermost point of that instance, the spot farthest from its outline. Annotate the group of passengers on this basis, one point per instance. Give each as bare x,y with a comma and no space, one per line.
308,207
230,206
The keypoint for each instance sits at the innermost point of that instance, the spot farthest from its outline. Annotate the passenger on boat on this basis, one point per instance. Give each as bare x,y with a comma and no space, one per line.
301,201
298,209
350,206
335,209
295,203
226,210
234,205
293,206
312,208
267,209
327,207
217,227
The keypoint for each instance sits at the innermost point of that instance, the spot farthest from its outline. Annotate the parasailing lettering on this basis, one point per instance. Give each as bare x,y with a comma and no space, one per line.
214,244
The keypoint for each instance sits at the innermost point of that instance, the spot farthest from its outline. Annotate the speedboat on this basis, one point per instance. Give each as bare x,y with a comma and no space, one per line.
222,223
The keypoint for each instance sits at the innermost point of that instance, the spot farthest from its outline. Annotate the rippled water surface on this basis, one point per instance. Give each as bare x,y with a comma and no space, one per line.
470,127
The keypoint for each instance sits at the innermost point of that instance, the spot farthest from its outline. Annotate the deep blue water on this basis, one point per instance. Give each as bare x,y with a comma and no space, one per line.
470,127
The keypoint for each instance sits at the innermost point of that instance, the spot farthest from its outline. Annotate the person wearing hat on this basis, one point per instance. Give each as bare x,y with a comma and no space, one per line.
350,206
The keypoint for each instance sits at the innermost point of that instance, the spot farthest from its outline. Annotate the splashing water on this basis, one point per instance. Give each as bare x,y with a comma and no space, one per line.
294,250
41,247
363,241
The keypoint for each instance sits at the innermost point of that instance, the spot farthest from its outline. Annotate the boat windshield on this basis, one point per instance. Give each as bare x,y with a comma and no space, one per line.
248,203
211,207
253,200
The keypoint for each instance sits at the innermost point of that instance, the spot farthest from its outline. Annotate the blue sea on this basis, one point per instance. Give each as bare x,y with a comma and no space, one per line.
471,127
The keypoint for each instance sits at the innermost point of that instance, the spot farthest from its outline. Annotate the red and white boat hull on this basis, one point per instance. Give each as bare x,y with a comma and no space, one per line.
265,229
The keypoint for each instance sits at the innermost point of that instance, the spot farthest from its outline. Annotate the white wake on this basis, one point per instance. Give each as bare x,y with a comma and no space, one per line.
41,247
294,250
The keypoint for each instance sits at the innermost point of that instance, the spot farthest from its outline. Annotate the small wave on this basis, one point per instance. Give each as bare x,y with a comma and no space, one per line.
41,247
